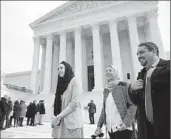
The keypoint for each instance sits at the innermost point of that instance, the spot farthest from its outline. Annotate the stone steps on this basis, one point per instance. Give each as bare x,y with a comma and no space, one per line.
43,131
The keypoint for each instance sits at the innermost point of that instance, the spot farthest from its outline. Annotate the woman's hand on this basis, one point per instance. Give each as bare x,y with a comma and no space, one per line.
121,127
53,121
56,121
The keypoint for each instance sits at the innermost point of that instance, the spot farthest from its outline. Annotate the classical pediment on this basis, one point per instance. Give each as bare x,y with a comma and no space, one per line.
73,8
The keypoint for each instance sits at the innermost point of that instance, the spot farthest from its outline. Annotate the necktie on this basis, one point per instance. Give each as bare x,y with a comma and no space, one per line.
148,100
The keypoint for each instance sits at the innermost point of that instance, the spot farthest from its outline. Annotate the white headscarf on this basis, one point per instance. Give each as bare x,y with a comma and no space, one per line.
110,84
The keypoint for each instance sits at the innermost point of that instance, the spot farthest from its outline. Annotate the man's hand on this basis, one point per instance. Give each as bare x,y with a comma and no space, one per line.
137,85
121,127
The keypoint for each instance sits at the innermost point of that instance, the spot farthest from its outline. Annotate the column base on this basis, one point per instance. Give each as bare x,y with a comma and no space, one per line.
129,81
98,89
45,92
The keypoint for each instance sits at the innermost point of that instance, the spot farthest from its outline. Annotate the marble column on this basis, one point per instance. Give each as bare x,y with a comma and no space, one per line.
48,66
69,54
97,51
85,76
42,65
78,56
73,55
154,30
102,54
62,54
134,42
116,53
55,63
34,73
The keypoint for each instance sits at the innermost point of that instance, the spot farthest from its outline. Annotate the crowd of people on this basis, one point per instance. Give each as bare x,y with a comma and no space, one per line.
12,114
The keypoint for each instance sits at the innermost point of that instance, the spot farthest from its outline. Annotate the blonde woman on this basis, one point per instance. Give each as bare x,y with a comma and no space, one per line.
117,111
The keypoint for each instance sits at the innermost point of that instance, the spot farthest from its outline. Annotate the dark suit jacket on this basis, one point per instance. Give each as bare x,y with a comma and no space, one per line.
160,92
92,107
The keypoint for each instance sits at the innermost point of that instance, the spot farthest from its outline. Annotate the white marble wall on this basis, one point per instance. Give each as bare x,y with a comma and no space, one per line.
20,79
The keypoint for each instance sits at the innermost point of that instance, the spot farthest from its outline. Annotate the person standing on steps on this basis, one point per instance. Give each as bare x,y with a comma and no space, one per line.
92,111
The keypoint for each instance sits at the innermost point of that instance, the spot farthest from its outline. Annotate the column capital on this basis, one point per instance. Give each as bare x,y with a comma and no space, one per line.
78,29
95,25
131,18
112,22
49,37
43,42
36,38
63,33
152,13
117,19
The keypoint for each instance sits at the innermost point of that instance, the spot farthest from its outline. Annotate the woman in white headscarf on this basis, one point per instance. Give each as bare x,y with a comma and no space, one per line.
118,111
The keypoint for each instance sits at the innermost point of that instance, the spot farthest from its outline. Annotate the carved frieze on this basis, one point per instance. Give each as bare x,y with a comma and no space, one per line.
75,7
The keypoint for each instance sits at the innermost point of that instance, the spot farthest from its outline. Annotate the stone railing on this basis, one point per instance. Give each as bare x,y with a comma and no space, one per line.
18,88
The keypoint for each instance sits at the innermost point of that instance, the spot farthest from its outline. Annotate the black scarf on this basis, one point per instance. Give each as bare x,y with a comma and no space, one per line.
62,86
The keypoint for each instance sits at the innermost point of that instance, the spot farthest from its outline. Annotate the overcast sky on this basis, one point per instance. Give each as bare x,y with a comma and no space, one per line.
16,35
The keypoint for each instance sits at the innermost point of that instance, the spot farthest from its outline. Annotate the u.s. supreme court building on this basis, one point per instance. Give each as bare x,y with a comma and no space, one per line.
90,35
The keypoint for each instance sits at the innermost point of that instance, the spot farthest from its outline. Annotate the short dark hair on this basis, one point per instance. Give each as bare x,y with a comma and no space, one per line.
150,46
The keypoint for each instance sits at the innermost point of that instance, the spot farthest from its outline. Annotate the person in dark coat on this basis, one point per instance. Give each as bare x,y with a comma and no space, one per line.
151,93
10,106
23,108
16,113
28,113
4,109
33,113
92,111
0,108
41,111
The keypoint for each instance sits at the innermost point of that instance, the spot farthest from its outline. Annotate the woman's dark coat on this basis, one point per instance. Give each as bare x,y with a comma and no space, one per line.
16,110
42,108
28,113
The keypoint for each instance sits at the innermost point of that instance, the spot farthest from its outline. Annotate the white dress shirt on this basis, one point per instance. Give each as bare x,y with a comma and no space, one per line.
113,118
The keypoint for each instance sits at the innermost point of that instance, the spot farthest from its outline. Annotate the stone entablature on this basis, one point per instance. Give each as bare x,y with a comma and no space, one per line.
77,6
94,16
71,8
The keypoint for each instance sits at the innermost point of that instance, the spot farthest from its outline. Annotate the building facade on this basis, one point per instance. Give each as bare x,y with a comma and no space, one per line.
90,35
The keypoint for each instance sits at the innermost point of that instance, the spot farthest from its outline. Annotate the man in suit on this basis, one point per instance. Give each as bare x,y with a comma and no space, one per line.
91,110
151,93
